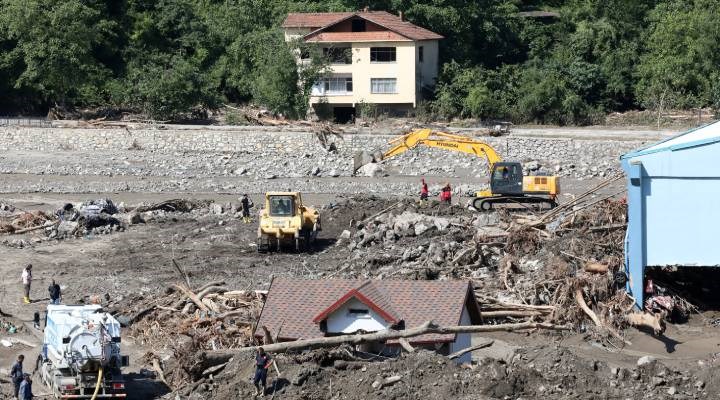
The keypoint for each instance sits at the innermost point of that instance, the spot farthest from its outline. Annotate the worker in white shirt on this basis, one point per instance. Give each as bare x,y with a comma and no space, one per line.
27,280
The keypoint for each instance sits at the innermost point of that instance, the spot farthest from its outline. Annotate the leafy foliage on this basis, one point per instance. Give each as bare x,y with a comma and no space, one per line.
166,58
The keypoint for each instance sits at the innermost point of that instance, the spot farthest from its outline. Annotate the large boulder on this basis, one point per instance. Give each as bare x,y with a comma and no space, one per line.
361,159
371,170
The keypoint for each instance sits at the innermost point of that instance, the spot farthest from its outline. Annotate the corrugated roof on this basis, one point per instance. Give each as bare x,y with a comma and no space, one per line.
292,304
385,19
705,134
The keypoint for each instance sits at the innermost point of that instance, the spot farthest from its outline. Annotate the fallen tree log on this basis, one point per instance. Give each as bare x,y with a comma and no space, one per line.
512,313
406,345
469,349
651,321
583,305
381,336
182,273
596,268
210,289
192,296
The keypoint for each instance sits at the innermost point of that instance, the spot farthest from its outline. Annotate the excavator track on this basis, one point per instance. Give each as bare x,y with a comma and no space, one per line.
489,203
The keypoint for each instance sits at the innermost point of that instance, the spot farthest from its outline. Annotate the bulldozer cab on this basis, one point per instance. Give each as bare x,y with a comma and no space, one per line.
507,178
281,205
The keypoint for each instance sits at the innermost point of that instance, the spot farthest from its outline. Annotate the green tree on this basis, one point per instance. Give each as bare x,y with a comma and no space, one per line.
680,66
56,43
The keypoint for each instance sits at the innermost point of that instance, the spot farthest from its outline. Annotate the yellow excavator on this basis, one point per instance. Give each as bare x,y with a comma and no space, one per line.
507,183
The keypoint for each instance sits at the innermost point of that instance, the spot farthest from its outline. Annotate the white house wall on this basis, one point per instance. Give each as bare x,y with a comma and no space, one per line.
341,321
463,340
427,71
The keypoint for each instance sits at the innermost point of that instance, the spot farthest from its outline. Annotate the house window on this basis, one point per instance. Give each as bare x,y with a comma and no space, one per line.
358,313
383,85
333,86
338,55
382,54
421,54
358,25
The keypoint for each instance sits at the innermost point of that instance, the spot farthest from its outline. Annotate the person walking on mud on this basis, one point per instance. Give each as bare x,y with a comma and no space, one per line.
262,364
247,204
423,192
54,291
26,281
16,374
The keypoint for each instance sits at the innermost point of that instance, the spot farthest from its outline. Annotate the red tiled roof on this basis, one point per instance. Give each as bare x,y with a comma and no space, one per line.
313,20
292,304
385,19
335,37
370,295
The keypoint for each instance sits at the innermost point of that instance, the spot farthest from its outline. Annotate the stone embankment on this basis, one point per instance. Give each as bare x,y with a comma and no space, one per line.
208,159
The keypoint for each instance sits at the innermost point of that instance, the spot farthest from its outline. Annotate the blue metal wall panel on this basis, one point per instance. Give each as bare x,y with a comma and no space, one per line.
682,217
673,210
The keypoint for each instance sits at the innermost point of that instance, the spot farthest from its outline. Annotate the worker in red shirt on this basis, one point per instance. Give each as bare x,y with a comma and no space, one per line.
423,192
446,194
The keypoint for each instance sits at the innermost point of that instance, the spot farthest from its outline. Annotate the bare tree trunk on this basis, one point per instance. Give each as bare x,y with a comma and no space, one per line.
382,336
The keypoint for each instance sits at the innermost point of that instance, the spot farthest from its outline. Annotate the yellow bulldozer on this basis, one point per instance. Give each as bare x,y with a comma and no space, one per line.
285,219
507,183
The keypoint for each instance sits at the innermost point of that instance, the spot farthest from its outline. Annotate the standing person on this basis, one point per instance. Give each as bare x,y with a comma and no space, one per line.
446,194
247,204
25,391
262,363
27,280
54,290
16,373
423,192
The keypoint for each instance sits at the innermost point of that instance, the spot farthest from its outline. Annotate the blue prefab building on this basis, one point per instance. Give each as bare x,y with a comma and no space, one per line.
673,204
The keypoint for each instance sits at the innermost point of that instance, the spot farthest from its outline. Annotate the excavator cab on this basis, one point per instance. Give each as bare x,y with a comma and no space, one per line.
506,178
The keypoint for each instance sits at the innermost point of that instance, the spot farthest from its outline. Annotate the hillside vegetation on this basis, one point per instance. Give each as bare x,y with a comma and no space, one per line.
166,58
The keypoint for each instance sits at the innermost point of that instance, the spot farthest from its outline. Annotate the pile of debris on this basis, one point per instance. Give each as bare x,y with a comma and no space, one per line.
563,266
184,322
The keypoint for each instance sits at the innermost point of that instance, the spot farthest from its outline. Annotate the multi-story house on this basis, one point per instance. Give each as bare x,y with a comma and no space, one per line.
375,58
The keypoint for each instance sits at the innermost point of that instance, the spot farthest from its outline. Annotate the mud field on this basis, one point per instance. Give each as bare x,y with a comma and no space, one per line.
372,228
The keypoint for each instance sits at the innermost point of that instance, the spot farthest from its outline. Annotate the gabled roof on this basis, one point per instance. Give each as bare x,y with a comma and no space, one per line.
370,295
292,305
391,22
335,37
699,136
313,20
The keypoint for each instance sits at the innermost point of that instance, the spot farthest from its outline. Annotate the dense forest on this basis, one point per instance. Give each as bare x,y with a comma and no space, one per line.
167,58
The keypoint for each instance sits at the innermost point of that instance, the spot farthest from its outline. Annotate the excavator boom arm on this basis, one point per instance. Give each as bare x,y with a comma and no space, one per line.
445,141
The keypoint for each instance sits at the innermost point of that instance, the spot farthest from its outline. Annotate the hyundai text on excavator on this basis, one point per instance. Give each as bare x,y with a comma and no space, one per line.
507,183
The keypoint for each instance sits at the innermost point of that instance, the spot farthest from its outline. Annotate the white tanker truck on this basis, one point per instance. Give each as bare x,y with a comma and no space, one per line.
81,357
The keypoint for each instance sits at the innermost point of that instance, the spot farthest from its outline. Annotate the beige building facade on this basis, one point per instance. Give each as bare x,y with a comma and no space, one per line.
376,58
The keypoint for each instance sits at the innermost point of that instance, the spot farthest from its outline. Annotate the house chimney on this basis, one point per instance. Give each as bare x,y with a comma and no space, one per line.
366,9
400,14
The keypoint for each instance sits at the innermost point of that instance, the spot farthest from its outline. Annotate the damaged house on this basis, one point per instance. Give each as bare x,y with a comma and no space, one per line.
305,309
673,217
